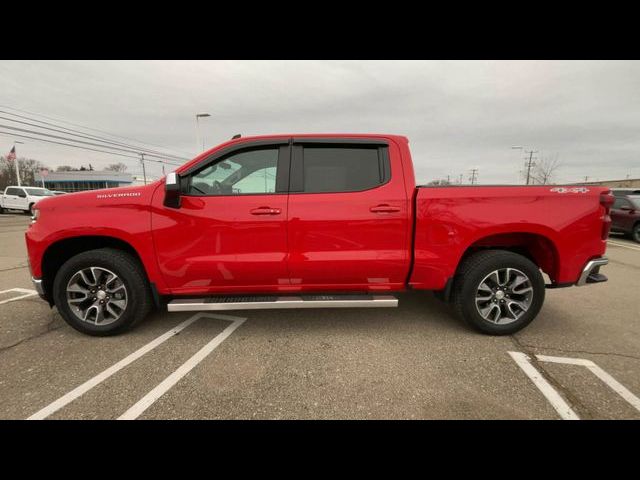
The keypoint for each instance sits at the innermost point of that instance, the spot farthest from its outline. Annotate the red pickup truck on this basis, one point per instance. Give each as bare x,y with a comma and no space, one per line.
312,221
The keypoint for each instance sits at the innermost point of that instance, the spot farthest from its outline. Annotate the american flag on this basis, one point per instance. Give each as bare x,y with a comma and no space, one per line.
12,154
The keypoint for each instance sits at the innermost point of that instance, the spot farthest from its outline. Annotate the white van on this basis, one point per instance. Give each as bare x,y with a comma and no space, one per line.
22,198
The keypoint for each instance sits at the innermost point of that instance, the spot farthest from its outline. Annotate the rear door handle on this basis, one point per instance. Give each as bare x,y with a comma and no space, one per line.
265,211
384,208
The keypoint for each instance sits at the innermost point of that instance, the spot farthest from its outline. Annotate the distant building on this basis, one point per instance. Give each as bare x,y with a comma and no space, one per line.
77,181
627,182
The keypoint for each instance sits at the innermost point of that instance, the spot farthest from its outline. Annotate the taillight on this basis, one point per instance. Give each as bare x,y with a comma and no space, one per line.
606,200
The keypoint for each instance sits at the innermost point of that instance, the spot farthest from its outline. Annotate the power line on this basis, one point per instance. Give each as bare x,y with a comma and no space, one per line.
88,128
131,148
11,134
68,131
58,137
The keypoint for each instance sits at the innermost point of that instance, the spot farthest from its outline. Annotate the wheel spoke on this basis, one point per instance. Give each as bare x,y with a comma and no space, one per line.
90,295
494,295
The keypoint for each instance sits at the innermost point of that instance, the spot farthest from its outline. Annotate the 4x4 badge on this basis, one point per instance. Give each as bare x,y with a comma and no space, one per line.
570,190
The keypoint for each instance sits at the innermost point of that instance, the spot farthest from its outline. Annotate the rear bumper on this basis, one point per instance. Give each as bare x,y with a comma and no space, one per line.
37,285
591,272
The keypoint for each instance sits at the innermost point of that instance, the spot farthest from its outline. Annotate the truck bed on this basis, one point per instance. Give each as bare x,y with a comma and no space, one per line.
555,222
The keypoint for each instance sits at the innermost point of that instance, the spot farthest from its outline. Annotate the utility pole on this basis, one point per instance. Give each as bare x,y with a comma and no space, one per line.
586,178
144,172
460,180
474,176
530,164
448,179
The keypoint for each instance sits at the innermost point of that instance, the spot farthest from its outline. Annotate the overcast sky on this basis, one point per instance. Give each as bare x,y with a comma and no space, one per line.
458,115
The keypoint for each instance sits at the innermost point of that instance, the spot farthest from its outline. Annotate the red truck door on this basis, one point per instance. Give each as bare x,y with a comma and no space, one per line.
230,232
348,216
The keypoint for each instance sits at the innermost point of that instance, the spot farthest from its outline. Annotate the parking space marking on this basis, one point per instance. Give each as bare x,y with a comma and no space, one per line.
554,398
611,382
550,393
630,247
101,377
150,398
27,293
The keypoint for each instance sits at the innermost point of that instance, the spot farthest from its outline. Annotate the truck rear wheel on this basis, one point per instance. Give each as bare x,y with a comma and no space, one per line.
102,292
498,292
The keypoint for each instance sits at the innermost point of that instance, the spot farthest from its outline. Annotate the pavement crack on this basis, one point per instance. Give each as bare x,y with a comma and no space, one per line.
571,399
47,329
14,268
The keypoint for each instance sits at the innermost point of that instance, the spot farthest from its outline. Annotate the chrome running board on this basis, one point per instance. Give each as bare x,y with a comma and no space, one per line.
270,302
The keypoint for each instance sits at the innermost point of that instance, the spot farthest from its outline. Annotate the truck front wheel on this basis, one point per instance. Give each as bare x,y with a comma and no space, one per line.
102,292
498,292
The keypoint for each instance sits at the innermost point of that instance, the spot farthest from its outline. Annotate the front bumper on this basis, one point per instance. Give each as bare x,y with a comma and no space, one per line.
591,272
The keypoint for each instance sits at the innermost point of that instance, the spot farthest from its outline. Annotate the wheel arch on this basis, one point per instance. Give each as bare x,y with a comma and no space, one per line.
538,248
62,250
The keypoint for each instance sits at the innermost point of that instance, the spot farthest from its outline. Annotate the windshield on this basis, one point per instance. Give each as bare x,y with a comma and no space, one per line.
39,192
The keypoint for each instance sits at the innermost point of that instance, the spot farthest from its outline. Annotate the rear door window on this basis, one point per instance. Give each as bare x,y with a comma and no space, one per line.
335,168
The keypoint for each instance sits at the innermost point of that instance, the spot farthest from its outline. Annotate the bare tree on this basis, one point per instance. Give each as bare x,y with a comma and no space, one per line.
545,169
116,167
28,168
65,168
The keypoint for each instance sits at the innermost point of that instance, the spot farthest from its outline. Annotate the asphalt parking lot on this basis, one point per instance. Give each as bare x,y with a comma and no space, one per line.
414,362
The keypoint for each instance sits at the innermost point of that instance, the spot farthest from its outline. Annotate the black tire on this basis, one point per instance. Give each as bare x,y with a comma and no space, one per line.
635,233
131,273
30,211
469,277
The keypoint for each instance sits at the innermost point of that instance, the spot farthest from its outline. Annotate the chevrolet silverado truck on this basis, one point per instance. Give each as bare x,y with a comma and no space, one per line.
22,198
312,221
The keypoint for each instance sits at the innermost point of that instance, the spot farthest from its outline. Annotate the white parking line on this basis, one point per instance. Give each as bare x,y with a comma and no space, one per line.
611,382
630,247
554,398
556,401
25,291
101,377
150,398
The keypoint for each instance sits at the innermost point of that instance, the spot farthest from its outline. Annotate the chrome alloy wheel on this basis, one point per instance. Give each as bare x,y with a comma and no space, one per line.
96,295
504,296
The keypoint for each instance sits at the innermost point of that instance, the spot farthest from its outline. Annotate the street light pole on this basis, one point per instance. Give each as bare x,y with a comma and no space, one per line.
198,116
144,171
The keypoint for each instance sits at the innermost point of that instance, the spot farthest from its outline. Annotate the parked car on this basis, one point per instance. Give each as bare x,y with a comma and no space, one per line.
312,221
22,198
625,215
621,192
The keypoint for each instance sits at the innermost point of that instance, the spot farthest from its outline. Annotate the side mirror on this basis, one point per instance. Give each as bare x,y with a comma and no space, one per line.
172,190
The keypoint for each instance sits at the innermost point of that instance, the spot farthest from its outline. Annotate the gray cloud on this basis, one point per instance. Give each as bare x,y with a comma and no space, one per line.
457,114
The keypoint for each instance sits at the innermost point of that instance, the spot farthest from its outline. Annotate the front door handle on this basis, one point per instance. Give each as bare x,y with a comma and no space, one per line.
384,208
265,211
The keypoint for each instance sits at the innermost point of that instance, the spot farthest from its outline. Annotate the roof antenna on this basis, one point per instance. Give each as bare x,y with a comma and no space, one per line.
237,135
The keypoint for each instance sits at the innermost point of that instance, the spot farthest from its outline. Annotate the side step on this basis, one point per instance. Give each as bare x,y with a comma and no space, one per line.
269,302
